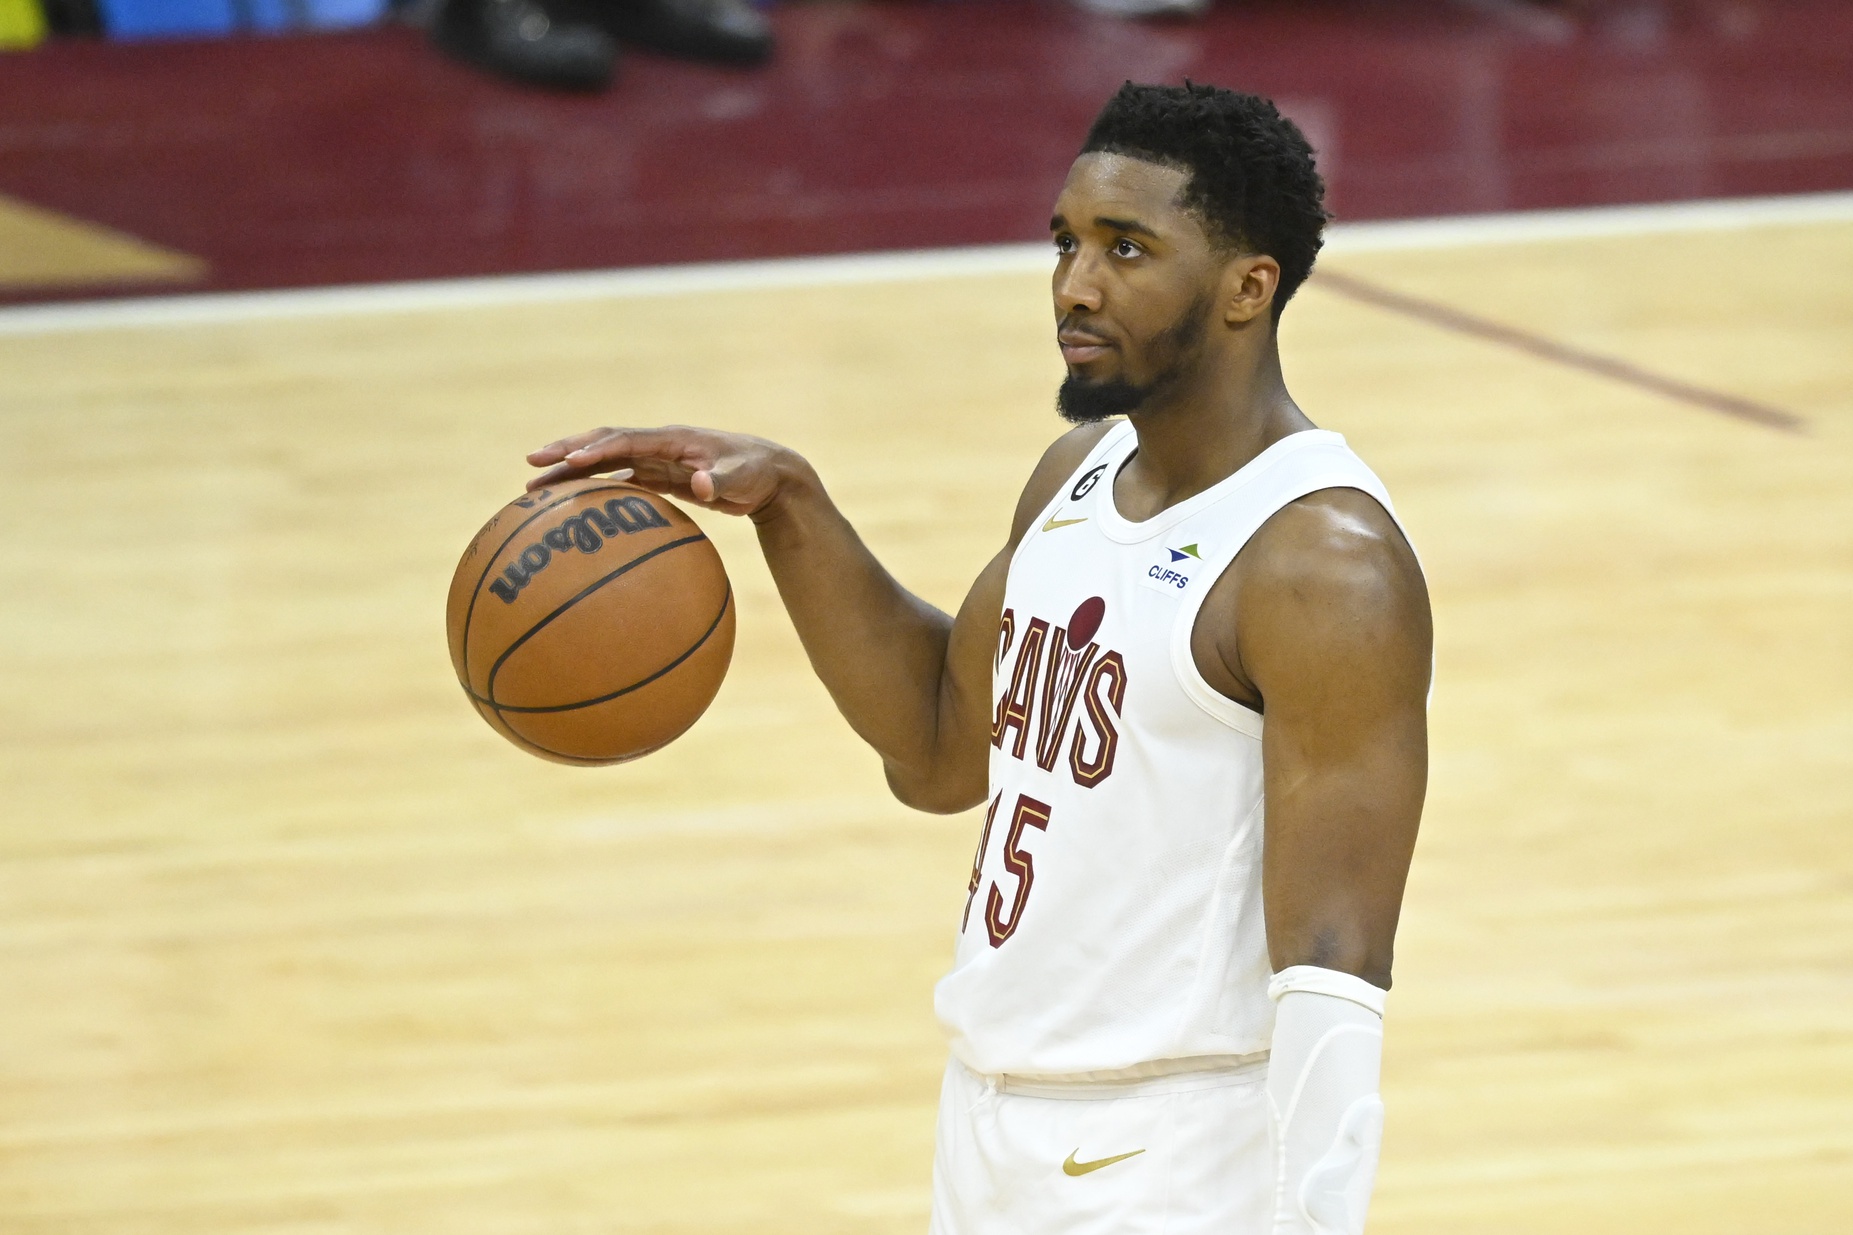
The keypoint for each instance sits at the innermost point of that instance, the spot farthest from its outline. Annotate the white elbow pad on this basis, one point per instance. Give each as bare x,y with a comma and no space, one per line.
1325,1114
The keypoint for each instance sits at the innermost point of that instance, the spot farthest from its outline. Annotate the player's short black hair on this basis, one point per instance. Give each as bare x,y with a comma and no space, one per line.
1252,179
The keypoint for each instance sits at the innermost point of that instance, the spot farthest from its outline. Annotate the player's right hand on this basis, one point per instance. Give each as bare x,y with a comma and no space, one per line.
728,472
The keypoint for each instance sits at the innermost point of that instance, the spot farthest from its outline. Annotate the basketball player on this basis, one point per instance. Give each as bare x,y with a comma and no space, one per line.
1190,692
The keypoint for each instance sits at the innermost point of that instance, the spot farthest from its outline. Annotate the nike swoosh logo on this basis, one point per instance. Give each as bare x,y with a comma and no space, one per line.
1053,523
1071,1167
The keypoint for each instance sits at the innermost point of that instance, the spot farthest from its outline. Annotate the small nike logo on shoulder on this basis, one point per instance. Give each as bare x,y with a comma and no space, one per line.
1054,523
1071,1167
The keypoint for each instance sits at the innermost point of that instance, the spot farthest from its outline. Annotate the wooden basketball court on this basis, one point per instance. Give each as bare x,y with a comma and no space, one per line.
291,943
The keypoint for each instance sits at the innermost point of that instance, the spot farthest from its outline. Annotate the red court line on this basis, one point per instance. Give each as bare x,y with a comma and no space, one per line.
1460,322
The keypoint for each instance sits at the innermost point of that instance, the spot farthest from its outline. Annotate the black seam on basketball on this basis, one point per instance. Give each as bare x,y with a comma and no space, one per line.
469,613
568,603
524,741
639,684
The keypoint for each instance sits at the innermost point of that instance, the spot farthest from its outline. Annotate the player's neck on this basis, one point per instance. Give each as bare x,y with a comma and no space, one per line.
1206,431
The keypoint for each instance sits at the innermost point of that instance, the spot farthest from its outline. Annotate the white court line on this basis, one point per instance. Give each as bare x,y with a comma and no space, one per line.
1344,239
1530,226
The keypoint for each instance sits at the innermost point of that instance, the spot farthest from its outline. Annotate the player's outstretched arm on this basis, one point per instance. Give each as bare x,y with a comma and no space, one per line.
955,772
913,681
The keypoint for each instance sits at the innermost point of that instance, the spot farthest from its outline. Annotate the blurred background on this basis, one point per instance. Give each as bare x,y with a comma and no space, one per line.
264,143
292,944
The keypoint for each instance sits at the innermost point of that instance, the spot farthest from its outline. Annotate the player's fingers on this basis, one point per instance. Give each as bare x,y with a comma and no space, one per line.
740,483
565,471
553,476
665,460
674,445
603,450
553,452
660,475
661,484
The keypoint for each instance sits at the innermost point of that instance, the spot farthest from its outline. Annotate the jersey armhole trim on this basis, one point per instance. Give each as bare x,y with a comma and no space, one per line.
1240,717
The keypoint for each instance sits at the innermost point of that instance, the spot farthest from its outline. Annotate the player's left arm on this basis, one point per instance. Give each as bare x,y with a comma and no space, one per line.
1332,632
1332,628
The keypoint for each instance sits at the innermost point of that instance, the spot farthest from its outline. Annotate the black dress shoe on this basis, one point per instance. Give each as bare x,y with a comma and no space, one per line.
522,40
727,31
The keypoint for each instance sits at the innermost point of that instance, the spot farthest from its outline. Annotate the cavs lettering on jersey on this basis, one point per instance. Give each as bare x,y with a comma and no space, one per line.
1113,920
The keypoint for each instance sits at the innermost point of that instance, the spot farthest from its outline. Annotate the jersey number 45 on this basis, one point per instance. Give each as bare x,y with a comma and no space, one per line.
1029,813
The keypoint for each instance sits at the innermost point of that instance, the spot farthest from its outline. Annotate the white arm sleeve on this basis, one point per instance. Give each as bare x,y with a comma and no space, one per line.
1324,1113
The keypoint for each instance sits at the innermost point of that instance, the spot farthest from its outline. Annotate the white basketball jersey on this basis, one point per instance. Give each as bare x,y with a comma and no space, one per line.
1113,924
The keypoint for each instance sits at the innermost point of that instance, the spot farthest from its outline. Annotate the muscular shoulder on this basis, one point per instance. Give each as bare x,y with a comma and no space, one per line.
1327,589
1336,544
1058,462
1330,590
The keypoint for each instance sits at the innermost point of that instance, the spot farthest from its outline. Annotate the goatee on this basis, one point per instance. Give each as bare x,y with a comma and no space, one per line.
1083,402
1179,345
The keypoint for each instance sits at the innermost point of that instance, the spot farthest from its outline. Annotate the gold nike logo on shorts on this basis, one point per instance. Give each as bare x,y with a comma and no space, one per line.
1071,1167
1054,523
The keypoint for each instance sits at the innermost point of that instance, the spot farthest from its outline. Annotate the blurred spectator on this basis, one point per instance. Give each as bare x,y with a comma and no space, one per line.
1146,8
73,17
22,23
156,19
567,44
572,44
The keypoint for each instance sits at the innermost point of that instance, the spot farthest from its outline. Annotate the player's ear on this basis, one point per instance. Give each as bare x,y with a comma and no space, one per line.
1248,286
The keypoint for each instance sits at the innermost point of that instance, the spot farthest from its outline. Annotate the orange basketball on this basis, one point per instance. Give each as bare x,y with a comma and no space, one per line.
591,622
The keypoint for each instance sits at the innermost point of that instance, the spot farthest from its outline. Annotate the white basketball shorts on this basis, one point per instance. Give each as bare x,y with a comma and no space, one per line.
1185,1154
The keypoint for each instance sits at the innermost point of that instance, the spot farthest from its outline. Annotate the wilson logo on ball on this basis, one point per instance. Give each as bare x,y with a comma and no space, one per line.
586,532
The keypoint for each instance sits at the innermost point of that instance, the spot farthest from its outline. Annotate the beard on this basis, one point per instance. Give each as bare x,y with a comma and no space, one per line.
1082,402
1176,347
